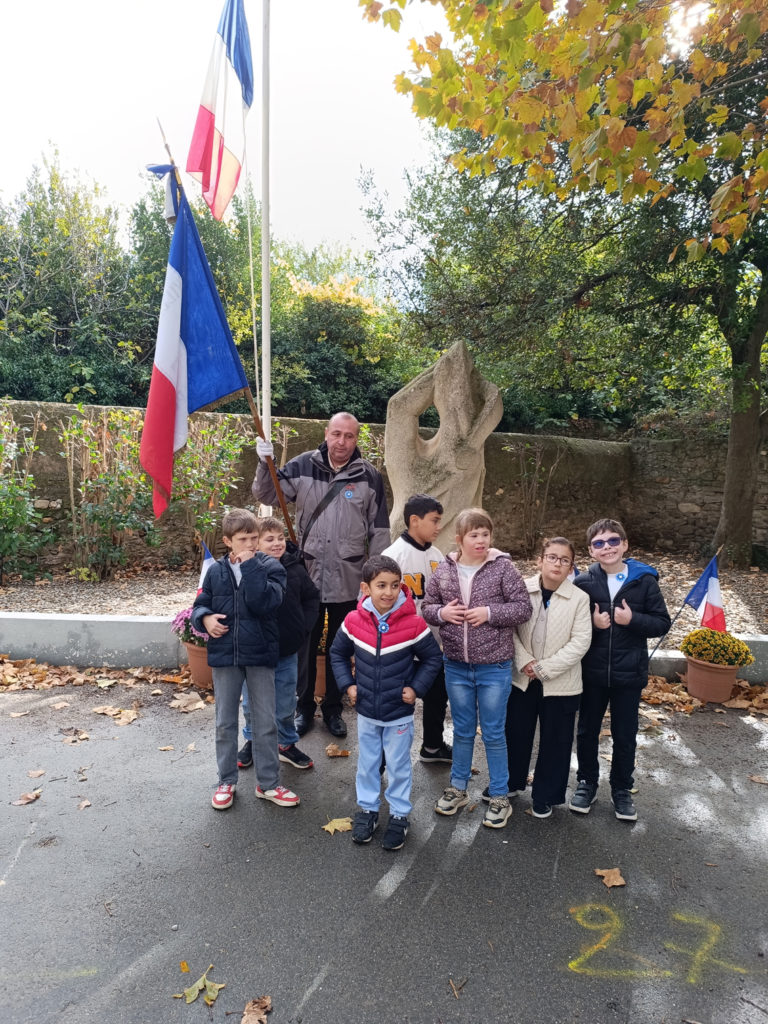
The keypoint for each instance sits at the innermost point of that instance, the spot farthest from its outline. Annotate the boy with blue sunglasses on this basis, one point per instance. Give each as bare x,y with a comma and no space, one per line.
627,610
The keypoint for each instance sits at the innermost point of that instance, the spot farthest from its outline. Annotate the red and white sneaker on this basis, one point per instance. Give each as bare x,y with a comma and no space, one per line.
223,797
279,795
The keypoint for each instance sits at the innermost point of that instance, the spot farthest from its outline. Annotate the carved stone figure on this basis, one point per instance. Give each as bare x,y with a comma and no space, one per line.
451,465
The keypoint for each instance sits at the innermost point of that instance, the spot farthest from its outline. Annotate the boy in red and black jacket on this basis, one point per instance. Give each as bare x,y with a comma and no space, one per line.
396,661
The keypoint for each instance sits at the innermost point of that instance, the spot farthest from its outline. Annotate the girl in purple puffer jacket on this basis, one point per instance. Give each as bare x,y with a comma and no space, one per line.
477,597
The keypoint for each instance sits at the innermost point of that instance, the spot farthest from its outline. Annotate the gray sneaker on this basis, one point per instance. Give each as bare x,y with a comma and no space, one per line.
584,797
451,800
498,813
623,805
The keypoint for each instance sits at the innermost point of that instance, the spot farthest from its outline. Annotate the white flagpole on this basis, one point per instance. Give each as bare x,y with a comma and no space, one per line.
266,320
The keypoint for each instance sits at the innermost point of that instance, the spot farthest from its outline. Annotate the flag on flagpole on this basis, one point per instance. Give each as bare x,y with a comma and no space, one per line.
208,561
196,362
706,598
218,142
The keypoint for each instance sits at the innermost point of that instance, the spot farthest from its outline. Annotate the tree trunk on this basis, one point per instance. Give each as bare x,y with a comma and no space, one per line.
734,529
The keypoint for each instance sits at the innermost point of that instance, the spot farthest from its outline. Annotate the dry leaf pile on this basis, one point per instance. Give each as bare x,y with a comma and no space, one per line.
675,697
29,674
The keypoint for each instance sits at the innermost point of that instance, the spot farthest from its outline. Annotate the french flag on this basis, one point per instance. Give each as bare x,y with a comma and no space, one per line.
705,596
208,561
196,362
218,143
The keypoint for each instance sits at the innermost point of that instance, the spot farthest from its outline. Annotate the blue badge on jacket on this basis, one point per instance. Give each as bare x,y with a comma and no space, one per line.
349,493
383,627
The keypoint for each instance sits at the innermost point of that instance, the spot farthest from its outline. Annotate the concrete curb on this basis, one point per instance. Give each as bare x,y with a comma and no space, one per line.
129,641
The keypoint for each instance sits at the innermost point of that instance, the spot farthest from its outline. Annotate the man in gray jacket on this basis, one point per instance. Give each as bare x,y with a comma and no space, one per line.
341,520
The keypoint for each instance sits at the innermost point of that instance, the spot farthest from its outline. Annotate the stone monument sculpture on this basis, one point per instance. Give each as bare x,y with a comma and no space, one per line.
450,465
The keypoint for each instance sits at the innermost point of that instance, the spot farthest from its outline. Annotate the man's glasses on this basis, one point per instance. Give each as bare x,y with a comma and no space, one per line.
612,542
554,559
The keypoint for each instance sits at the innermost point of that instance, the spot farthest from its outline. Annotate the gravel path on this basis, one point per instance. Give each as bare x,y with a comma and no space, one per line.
162,592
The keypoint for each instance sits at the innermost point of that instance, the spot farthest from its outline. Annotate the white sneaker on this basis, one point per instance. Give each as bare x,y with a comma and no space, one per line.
498,813
451,800
279,795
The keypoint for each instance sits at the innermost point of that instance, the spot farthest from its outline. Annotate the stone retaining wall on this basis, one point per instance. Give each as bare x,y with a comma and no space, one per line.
666,492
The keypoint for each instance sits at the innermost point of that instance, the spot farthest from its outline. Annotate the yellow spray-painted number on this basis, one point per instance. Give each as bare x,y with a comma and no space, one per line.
596,917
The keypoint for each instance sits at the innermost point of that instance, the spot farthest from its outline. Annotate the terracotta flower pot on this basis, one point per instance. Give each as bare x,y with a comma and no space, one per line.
708,682
199,667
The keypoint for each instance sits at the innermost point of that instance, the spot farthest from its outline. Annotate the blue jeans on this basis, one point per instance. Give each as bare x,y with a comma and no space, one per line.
394,741
484,690
285,702
227,687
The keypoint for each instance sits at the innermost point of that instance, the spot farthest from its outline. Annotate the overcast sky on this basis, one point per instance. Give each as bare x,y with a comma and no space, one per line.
91,78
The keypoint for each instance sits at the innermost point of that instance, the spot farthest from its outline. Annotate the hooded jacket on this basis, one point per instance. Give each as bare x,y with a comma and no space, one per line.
566,640
298,613
354,526
498,585
618,656
250,608
403,654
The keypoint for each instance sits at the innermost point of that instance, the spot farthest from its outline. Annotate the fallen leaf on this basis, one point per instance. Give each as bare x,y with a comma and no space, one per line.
256,1010
709,864
184,967
83,804
156,693
191,748
738,702
212,989
759,779
74,735
170,679
338,825
126,717
166,748
28,798
36,773
332,750
186,702
104,684
19,714
611,876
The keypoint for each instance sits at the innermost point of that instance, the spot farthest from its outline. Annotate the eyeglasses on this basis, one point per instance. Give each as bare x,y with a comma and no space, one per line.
554,559
612,542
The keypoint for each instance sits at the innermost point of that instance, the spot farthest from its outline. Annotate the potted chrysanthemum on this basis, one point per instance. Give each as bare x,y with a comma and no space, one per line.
196,644
714,659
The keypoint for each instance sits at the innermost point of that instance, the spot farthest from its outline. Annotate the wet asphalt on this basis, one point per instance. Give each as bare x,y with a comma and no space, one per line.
100,905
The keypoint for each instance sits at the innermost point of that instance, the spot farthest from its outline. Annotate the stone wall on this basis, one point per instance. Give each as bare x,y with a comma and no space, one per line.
666,492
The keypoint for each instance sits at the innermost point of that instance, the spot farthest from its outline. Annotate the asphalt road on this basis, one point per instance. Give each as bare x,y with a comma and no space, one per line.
100,905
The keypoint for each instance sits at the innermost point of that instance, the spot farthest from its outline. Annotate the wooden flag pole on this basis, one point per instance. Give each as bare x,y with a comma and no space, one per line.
271,466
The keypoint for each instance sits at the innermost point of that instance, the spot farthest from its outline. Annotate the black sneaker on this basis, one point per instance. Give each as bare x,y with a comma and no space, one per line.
245,755
541,810
584,797
443,755
364,826
292,755
485,796
623,805
397,830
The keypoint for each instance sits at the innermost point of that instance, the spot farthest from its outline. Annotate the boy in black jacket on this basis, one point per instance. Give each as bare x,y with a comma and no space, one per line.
627,610
296,618
237,608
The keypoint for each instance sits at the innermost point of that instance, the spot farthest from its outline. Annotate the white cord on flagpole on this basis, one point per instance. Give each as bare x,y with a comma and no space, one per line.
249,196
266,321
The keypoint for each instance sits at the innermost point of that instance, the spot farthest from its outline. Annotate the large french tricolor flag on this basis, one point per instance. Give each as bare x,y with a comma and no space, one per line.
196,362
705,596
218,143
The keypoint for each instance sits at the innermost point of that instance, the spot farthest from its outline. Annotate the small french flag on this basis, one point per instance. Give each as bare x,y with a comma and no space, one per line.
208,561
705,596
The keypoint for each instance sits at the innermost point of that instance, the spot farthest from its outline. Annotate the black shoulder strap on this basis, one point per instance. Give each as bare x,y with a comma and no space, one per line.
321,506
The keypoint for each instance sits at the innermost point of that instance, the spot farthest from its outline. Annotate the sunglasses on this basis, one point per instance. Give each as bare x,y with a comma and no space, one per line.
554,559
612,542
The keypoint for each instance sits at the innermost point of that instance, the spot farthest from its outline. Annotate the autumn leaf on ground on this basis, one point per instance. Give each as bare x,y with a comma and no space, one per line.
166,748
83,804
256,1010
211,989
104,684
36,773
611,876
758,778
60,705
28,798
338,825
191,749
19,714
74,735
186,702
184,967
332,750
156,693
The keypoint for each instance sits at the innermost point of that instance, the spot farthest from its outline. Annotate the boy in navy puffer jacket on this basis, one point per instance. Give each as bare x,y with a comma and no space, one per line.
396,661
237,607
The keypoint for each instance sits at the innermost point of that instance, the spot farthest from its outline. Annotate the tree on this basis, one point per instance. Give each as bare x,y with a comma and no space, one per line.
597,82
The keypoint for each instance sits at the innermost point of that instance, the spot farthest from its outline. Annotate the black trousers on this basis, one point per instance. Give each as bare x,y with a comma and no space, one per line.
624,703
556,717
435,703
307,670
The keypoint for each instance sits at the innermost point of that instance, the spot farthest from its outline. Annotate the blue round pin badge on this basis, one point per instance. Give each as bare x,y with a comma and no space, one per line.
383,627
349,493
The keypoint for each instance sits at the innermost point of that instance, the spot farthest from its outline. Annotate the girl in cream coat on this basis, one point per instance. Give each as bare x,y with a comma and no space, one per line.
547,678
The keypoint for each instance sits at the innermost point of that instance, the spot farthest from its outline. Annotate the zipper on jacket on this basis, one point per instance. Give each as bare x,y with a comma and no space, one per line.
377,676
